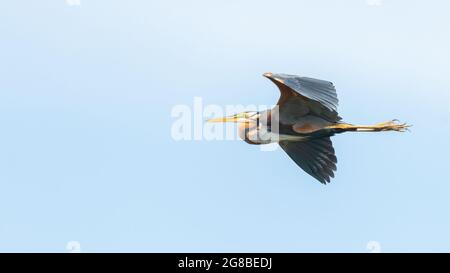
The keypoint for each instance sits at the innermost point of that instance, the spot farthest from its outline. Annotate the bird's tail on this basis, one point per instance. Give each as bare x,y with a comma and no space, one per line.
393,125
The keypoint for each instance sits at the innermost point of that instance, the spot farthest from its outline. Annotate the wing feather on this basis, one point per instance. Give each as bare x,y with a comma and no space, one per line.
303,95
316,157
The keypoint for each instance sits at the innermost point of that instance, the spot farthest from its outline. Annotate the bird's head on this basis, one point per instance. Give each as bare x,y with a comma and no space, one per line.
243,117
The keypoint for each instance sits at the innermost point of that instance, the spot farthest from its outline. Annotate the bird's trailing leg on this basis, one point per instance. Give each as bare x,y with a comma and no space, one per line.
392,125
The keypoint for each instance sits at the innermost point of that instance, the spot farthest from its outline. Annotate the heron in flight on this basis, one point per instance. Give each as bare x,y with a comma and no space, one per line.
302,123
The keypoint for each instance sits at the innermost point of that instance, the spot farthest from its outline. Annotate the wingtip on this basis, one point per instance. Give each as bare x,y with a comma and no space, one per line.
268,75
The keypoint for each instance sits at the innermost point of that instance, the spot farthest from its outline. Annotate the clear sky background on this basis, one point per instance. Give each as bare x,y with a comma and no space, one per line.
86,152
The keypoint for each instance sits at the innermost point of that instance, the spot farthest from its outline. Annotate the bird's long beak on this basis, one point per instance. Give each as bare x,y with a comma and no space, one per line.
224,119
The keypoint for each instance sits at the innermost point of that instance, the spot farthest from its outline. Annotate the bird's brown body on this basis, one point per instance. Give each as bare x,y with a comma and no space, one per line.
302,122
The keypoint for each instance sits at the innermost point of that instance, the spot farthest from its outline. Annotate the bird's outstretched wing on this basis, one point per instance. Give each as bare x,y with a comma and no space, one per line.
316,157
302,95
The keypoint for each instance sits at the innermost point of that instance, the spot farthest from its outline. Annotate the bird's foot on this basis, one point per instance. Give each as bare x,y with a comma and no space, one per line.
393,125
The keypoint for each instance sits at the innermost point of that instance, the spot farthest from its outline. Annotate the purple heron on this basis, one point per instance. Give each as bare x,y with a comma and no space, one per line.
305,118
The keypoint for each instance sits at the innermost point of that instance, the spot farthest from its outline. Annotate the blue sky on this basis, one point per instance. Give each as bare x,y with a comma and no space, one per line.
86,93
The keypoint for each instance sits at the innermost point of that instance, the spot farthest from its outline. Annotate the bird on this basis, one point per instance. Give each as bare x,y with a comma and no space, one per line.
303,122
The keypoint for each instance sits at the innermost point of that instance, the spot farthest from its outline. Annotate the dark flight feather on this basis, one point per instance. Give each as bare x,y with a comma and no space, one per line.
315,156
